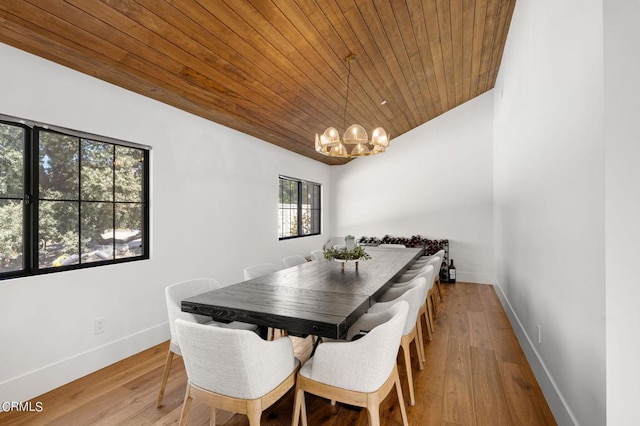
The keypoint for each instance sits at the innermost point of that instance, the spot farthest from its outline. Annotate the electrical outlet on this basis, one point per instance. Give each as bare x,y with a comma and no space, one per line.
539,334
98,325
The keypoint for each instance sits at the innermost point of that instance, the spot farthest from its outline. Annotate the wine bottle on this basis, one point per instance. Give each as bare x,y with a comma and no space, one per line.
452,272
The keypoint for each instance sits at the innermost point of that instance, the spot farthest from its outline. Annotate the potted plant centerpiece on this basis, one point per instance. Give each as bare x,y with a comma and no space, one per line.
350,251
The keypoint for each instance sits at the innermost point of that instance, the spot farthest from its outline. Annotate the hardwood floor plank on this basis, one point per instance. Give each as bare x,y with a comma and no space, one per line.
475,374
489,299
489,395
535,387
473,300
458,390
523,402
479,336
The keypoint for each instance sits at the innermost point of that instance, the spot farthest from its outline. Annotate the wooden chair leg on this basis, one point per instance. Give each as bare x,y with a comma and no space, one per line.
165,378
374,415
420,345
432,295
254,412
430,314
403,409
407,363
299,408
424,313
212,418
438,287
186,406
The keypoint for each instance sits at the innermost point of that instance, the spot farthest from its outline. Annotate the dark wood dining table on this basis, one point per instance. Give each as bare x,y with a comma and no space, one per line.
316,298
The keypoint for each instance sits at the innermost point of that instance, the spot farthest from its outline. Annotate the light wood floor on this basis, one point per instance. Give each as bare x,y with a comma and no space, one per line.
476,374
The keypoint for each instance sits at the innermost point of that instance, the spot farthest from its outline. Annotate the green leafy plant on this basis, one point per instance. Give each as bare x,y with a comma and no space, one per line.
344,254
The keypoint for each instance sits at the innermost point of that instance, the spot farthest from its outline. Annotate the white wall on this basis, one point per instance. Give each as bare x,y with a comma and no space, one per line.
549,199
210,186
622,177
436,181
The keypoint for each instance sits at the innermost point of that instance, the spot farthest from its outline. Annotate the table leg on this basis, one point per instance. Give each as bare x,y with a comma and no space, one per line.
264,332
315,345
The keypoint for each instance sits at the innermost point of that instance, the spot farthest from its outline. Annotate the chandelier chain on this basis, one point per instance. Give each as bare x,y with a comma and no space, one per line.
346,99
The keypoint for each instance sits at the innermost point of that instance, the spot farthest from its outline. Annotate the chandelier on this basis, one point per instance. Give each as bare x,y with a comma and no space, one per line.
355,141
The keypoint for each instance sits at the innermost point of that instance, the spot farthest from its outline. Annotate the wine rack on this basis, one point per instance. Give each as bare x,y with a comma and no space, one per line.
430,246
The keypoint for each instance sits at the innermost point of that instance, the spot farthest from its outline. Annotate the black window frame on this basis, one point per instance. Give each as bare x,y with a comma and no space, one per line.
299,208
31,198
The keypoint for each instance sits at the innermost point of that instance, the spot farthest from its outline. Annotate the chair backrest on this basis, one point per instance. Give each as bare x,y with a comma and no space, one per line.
365,364
435,263
293,260
385,245
394,291
177,292
236,363
415,294
255,271
317,254
440,254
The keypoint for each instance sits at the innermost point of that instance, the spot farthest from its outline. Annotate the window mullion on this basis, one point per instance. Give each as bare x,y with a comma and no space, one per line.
31,183
113,202
79,201
300,209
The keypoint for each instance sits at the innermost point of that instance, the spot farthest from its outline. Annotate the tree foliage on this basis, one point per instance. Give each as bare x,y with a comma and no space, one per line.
87,190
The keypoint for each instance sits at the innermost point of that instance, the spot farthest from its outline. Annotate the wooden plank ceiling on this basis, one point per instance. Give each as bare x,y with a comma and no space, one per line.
276,69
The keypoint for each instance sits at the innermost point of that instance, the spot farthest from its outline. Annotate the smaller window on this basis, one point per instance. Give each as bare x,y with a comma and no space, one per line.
298,208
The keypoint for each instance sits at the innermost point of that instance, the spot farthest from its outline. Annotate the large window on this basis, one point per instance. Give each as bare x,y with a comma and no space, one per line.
298,208
69,199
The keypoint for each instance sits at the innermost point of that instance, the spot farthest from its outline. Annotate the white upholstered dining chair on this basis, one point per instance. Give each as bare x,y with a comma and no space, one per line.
427,309
360,372
414,293
293,260
255,271
317,254
234,370
434,262
424,260
174,294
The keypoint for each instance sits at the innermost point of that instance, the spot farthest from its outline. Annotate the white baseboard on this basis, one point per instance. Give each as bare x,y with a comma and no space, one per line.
557,404
37,382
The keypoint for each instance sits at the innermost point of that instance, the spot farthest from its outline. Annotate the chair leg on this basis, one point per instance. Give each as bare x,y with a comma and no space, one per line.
212,418
426,320
407,363
430,314
435,303
334,407
403,409
299,408
165,377
438,287
186,406
374,415
254,412
420,345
